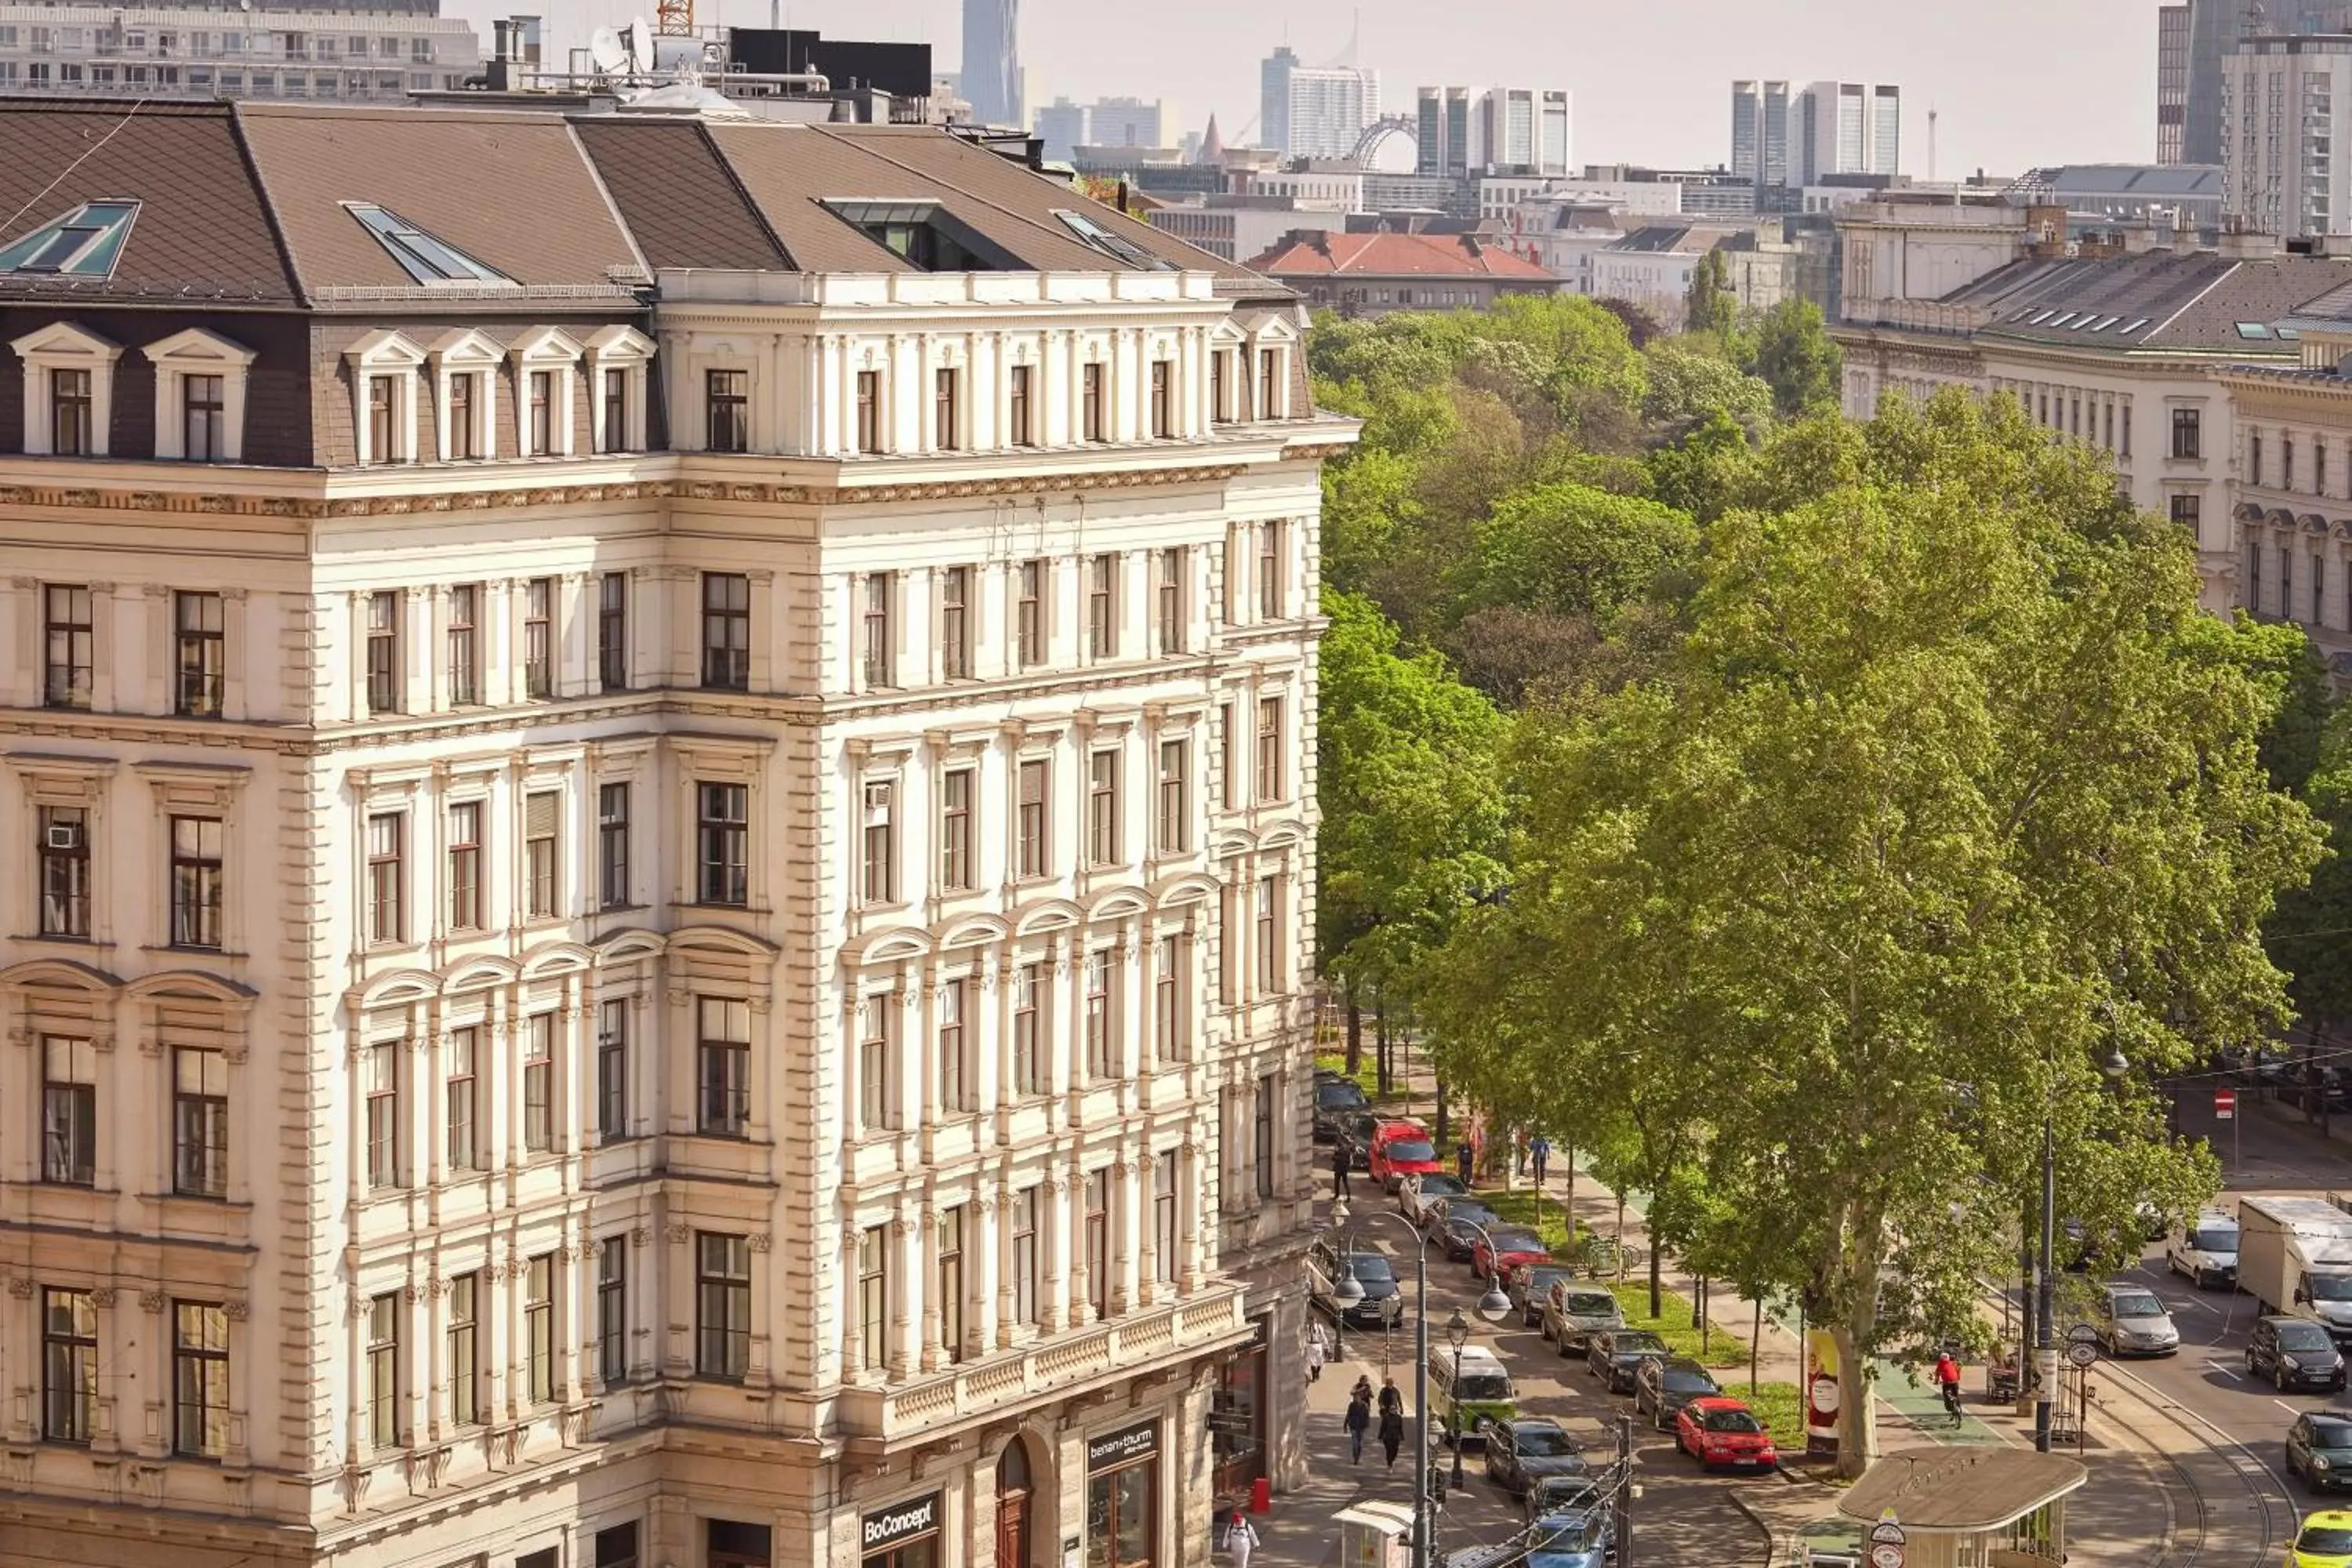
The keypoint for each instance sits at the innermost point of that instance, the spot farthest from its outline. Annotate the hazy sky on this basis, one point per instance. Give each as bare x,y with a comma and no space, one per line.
2017,83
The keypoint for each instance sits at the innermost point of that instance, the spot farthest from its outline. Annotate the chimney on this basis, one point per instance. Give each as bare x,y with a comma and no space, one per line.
2245,244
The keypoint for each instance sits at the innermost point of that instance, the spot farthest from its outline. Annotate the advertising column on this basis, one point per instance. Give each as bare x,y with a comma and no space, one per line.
1820,1392
1123,1497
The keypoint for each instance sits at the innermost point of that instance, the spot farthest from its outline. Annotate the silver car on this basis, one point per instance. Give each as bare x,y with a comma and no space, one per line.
1574,1312
2131,1319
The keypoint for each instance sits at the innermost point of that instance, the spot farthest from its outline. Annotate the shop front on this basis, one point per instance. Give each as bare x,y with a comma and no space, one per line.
904,1535
1123,1497
1237,1415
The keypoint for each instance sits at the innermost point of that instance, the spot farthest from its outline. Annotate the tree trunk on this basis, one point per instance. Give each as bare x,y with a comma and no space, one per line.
1569,1203
1657,1283
2025,1294
2319,1050
1754,1343
1866,1253
1440,1111
1385,1068
1355,1032
1621,1240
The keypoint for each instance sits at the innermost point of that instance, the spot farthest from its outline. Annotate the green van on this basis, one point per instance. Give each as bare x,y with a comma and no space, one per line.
1480,1392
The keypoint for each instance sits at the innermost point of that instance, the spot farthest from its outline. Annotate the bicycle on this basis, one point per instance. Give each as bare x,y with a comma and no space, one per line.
1951,1397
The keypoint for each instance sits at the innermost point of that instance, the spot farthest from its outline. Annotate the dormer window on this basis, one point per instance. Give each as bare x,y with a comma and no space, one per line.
465,382
85,243
546,370
384,376
926,235
425,258
69,395
200,381
617,360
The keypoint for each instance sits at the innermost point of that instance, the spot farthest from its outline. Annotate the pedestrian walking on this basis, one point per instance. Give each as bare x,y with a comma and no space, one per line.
1540,1152
1318,1351
1358,1418
1241,1538
1463,1158
1392,1397
1391,1434
1340,1170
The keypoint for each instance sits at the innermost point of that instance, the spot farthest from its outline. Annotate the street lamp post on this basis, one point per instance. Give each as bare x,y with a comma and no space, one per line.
1493,1306
1457,1334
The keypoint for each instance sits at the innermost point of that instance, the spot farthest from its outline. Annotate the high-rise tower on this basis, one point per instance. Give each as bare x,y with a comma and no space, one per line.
991,61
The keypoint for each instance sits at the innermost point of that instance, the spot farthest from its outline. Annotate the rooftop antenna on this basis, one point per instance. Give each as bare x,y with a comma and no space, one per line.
1931,144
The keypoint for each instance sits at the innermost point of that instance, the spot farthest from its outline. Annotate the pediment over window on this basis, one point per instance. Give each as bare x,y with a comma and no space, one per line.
465,346
384,350
64,341
198,350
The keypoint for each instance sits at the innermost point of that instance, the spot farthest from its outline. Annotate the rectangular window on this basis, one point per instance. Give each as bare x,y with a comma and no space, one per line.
1269,571
946,427
723,1067
612,845
465,865
461,1099
2254,450
955,1081
200,662
617,410
877,1025
1028,1064
538,1082
1029,614
541,811
1269,748
463,440
196,881
384,665
612,1069
1163,1218
64,851
199,1123
1175,796
1269,966
1262,1137
1102,620
1098,1187
1168,999
1102,808
1266,383
199,1379
383,434
538,637
538,1328
542,413
949,1284
869,411
723,844
386,878
722,1305
955,830
1169,599
727,631
465,646
874,1297
875,644
613,1311
69,1110
1022,432
70,407
2185,511
1163,420
1097,1013
612,631
1031,826
2188,438
463,1342
1023,1229
2318,588
380,1082
68,666
955,623
384,1371
877,878
1090,398
1220,408
68,1367
727,395
204,418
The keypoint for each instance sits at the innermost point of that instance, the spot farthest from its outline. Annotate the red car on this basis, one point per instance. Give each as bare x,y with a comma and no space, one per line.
1715,1430
1504,1249
1401,1149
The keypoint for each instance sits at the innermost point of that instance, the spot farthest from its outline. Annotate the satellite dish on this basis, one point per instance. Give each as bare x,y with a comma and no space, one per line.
610,55
638,39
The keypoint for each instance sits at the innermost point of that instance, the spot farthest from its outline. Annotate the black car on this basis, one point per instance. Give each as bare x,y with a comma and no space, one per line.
1459,1227
1530,1283
2319,1449
1663,1386
1617,1353
2294,1352
1356,1129
1577,1493
1383,1302
1523,1450
1333,1103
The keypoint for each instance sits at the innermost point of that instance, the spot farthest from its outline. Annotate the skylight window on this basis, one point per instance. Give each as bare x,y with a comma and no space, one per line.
2256,330
427,259
1116,244
2041,318
2104,323
85,243
2136,324
2061,320
926,235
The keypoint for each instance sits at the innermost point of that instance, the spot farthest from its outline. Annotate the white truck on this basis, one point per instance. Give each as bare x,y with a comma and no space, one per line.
2294,1256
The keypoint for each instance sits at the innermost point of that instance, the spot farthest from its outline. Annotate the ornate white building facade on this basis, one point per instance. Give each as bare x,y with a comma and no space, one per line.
664,852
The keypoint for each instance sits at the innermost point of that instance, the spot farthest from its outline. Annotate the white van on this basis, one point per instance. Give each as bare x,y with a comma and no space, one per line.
2206,1249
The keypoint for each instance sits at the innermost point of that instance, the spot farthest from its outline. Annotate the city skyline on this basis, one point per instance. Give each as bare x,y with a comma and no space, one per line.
1650,89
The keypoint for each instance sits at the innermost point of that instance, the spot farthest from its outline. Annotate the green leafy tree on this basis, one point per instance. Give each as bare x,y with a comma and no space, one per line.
1689,387
1943,798
1569,547
1709,305
1793,354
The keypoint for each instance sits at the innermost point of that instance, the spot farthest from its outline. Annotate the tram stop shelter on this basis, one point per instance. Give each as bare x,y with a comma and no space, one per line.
1968,1506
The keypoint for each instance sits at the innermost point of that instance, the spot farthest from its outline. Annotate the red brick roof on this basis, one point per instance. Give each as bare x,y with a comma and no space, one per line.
1395,255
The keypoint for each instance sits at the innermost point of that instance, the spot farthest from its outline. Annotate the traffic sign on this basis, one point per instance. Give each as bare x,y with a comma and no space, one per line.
2225,1104
2082,1334
2082,1353
1887,1540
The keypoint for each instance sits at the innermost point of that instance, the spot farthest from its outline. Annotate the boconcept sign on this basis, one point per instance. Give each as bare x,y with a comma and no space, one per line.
902,1523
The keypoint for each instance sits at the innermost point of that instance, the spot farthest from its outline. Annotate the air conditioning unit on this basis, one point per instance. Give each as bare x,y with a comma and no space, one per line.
64,836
